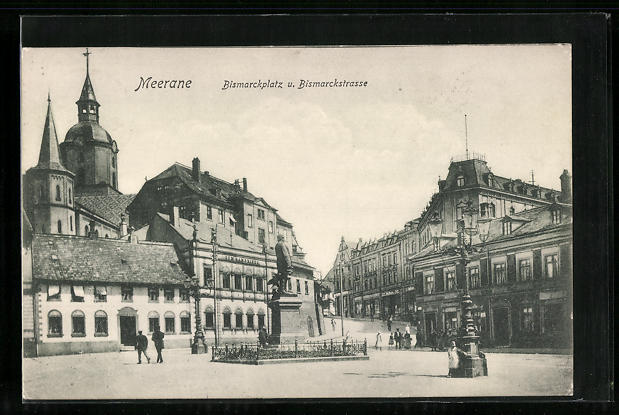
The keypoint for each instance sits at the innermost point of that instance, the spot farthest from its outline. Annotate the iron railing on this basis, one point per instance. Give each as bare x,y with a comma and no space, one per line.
255,352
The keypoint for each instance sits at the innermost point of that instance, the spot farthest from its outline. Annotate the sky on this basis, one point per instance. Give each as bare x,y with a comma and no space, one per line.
352,162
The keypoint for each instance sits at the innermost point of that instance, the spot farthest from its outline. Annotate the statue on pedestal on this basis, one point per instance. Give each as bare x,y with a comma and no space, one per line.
284,267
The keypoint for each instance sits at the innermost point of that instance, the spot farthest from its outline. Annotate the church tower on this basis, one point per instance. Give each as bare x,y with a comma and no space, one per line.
48,187
88,150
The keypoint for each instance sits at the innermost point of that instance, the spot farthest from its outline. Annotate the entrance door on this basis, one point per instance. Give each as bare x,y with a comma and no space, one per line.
430,323
501,325
127,330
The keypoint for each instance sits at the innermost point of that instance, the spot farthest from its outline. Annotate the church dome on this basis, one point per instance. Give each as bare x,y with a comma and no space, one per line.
85,131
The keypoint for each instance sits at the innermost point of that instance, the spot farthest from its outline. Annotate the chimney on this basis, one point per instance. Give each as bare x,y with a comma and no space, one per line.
174,216
195,169
566,186
244,184
123,225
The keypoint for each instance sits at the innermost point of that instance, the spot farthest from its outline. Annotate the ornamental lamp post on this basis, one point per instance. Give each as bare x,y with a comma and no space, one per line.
473,362
198,346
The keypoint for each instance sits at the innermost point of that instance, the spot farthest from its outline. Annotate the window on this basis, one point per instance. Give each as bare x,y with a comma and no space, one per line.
556,216
185,322
168,295
527,319
100,323
153,294
209,212
58,198
250,221
71,223
227,319
153,321
59,226
551,262
127,294
524,269
250,319
238,319
306,288
260,320
221,215
208,276
54,324
395,258
270,226
507,227
77,323
249,286
299,286
113,161
86,230
474,280
553,317
259,286
169,322
429,284
261,235
209,319
451,280
451,320
100,294
289,284
77,293
460,181
184,295
113,179
238,282
226,280
53,292
499,273
487,210
260,214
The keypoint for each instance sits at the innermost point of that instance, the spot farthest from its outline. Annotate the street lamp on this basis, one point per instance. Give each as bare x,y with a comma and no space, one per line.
198,346
474,363
266,287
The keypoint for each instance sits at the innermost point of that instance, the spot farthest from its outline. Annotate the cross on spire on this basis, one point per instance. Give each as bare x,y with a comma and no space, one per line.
86,54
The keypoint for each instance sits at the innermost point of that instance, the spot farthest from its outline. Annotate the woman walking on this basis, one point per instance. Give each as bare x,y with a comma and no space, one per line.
379,341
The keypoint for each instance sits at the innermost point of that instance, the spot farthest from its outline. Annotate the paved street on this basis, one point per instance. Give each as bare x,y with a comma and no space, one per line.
387,374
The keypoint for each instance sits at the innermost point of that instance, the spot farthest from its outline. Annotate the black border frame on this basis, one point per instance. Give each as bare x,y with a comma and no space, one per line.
589,35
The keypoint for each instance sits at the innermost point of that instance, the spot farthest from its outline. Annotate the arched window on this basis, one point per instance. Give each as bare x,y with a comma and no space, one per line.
260,318
460,181
58,193
227,318
250,319
100,323
78,324
59,226
238,318
185,322
169,322
209,317
153,321
54,324
86,230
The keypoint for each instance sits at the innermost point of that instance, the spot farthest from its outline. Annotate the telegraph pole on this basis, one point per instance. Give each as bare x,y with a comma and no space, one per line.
215,276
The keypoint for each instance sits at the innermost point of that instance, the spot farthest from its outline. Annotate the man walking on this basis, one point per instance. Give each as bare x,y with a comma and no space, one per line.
389,320
158,340
141,343
398,339
262,337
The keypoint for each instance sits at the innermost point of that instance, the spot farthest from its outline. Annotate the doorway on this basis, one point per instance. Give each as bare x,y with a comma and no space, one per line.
430,319
500,321
127,330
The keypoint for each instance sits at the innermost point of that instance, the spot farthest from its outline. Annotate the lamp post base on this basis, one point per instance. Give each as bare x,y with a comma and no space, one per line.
473,363
198,345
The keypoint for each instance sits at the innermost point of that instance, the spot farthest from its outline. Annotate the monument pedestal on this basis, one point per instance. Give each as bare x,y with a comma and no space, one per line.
474,363
198,345
287,324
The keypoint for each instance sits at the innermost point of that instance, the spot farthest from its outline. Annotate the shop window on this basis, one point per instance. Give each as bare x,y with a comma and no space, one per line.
100,323
551,265
553,318
153,294
127,294
527,319
168,295
185,322
78,324
499,273
474,279
169,322
54,324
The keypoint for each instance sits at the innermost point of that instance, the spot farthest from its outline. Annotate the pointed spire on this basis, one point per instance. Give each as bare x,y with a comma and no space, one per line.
49,156
87,105
88,93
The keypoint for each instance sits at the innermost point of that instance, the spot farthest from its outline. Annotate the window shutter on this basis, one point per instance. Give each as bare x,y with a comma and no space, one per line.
419,283
439,283
483,272
460,281
511,268
565,264
537,264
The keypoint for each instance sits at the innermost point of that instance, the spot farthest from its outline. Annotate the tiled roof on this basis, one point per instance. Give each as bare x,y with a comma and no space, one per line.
109,207
74,258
